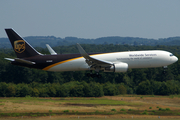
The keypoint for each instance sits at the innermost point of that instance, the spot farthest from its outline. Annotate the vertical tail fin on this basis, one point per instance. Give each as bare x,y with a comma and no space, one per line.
21,47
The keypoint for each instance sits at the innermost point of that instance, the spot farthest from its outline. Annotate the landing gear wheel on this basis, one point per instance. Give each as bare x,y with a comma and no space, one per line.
93,75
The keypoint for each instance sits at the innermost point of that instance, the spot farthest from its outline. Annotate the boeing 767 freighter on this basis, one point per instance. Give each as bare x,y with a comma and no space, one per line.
27,56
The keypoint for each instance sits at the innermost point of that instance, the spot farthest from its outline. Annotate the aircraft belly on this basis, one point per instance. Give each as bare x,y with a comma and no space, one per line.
139,64
74,65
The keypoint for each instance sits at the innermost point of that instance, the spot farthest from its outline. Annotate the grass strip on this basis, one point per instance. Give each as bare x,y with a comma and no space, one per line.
96,101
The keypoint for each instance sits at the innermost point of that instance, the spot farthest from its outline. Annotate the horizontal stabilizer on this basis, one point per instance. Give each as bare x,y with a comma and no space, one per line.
24,61
21,61
10,59
51,50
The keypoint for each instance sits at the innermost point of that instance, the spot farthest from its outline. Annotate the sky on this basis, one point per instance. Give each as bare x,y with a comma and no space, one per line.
91,18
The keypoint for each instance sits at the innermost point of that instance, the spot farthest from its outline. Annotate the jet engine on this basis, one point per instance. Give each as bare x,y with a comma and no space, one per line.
119,67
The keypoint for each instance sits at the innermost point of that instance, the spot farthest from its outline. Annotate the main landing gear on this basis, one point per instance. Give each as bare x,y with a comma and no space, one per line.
93,75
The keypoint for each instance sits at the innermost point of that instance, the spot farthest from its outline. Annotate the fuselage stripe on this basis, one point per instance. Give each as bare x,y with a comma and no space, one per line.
50,66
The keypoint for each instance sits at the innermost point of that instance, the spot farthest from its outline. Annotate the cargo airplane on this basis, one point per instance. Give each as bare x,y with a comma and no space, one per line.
27,56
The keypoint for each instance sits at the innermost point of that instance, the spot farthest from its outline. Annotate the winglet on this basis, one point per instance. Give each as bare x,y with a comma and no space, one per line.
90,60
82,51
51,50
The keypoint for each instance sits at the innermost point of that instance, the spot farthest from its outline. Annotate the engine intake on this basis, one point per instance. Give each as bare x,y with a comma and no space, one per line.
120,67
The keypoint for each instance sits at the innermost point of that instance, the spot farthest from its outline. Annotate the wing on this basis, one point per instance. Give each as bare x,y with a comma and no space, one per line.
93,62
51,50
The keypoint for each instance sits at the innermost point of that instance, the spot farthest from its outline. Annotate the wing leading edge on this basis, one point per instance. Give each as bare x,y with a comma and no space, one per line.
93,62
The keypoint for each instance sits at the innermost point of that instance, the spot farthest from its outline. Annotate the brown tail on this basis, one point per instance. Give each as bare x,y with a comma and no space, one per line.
21,47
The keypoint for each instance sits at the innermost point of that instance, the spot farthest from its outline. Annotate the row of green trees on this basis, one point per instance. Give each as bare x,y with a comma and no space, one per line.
72,89
147,87
83,89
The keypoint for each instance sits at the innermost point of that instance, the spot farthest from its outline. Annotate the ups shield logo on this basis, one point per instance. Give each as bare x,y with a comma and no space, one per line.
19,46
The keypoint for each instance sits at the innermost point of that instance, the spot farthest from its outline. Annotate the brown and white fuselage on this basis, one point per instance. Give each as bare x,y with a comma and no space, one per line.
27,56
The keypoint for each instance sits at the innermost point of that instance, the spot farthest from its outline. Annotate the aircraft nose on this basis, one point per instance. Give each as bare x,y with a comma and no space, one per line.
175,59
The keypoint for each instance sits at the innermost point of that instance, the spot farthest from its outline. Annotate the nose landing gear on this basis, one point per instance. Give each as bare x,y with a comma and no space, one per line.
165,68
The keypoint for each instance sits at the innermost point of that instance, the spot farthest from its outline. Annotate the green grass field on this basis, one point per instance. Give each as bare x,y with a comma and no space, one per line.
91,108
51,118
69,100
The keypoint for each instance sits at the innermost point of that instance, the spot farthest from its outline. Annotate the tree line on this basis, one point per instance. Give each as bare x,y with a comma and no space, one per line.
21,81
34,89
116,40
84,89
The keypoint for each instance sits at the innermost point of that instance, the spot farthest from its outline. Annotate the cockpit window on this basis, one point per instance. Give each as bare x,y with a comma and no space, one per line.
171,55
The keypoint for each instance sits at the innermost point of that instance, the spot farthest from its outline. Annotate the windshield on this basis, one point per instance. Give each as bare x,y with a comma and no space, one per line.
171,54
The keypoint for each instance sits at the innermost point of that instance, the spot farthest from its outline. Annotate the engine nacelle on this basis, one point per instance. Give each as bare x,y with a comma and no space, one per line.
120,67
